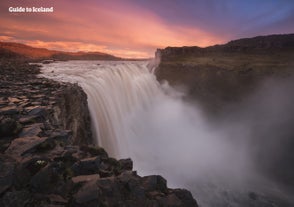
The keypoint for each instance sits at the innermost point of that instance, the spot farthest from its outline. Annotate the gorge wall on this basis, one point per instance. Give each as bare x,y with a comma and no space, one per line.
247,81
226,73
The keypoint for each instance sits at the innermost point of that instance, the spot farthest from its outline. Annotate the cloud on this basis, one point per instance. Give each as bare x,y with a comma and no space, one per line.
142,26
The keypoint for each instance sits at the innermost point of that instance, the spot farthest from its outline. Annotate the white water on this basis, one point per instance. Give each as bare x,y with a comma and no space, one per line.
134,116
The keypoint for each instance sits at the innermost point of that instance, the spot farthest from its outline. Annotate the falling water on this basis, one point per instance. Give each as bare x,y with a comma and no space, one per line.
115,90
134,116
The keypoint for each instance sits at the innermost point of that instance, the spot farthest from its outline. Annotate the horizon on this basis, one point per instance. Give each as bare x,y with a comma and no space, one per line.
135,29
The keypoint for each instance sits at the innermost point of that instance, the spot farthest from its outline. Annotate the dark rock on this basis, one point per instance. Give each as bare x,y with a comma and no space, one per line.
87,166
49,179
9,110
125,164
7,166
88,196
94,150
23,145
28,119
154,183
84,178
31,130
26,169
185,197
9,127
15,199
38,111
71,111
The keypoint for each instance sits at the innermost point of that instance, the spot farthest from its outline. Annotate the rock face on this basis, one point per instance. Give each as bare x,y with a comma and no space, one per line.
45,156
226,73
71,111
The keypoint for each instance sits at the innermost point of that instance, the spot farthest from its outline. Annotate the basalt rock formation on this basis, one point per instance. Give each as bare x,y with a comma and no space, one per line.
45,156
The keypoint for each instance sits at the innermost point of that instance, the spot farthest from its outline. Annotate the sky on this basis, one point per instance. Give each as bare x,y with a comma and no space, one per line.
136,28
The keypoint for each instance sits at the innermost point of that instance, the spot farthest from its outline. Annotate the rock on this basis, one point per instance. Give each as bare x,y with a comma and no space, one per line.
154,183
9,110
88,196
85,178
87,166
15,199
23,145
49,179
71,111
38,111
125,164
26,169
9,127
6,173
32,130
28,119
14,100
185,197
94,150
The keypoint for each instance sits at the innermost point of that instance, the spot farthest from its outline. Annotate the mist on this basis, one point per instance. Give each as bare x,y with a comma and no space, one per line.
222,159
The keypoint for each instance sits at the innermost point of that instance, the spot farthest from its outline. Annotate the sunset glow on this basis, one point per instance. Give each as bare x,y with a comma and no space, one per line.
136,28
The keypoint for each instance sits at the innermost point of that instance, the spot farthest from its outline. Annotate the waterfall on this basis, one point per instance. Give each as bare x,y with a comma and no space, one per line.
135,116
115,91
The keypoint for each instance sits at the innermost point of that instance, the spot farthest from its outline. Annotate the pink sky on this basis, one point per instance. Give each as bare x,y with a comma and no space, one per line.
122,28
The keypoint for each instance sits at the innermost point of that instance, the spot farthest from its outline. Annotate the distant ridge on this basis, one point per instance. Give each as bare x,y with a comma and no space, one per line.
263,44
22,51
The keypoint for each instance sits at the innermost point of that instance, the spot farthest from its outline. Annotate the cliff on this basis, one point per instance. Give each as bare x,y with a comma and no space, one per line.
222,77
226,73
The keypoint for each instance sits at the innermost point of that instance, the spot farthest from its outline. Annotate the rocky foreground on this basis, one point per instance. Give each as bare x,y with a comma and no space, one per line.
45,156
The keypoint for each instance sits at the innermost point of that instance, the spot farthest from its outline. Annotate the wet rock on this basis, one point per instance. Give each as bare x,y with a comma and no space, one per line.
32,130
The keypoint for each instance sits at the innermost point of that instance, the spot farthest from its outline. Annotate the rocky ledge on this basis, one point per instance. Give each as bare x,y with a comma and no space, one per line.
45,154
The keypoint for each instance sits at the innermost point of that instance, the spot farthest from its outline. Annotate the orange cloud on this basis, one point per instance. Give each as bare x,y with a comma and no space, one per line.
105,27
